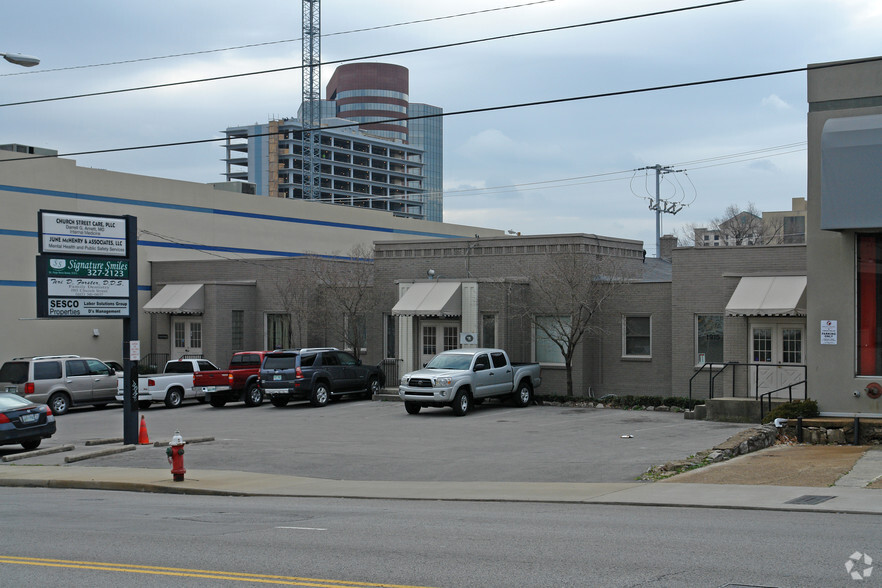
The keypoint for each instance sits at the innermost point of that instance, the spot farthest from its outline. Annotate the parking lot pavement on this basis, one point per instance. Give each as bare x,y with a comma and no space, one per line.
369,440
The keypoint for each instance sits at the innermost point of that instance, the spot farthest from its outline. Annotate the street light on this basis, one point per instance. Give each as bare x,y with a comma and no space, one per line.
19,59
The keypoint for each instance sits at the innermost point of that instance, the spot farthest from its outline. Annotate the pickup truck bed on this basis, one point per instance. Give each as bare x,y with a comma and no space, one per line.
239,383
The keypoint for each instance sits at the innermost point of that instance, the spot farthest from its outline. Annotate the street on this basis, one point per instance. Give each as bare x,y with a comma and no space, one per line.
155,540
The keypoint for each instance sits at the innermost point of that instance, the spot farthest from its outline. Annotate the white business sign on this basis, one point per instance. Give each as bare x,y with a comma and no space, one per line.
98,307
83,235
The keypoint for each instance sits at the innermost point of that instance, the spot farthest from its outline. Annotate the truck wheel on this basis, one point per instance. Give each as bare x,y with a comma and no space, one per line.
320,394
523,395
462,403
174,398
373,387
412,407
144,404
279,401
253,395
59,403
217,401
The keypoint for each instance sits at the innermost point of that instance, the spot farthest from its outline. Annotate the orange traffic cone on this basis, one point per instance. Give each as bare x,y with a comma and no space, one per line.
143,439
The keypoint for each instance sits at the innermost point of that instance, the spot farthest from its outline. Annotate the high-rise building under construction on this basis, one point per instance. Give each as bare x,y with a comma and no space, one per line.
378,150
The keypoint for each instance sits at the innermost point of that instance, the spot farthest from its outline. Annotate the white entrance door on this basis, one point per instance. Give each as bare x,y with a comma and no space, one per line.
187,333
778,350
436,337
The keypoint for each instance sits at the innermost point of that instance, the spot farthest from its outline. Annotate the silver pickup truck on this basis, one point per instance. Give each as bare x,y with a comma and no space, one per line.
461,377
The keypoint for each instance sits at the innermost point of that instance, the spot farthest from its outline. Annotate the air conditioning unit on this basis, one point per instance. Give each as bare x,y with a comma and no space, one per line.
468,338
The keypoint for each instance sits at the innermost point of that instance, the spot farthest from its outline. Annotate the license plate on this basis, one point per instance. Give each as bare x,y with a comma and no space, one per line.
209,388
277,376
12,389
29,418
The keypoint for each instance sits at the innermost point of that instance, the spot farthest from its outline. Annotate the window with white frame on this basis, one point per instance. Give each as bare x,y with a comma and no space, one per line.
636,336
547,330
708,338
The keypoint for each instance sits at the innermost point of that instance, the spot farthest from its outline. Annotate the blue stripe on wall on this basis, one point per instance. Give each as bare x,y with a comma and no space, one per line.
206,210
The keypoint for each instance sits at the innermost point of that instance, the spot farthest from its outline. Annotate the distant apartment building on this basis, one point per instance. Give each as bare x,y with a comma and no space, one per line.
785,227
369,159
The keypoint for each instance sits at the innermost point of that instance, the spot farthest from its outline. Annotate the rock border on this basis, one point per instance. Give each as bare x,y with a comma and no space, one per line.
742,443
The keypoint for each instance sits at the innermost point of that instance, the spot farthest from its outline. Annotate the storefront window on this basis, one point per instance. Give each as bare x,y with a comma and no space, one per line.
547,351
869,311
278,331
709,338
488,330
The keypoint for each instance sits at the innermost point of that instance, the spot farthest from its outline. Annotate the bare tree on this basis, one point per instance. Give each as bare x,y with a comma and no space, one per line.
566,295
293,297
736,227
346,291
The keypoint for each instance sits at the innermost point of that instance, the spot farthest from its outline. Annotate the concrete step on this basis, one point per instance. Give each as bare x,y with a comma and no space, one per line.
738,410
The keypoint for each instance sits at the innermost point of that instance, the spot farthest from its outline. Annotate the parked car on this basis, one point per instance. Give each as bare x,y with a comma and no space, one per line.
461,377
117,367
172,386
61,381
238,383
317,375
24,422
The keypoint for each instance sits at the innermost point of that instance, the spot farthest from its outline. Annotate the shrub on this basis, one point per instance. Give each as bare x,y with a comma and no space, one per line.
792,410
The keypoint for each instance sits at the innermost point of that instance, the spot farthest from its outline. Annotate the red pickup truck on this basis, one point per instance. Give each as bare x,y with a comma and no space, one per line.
238,383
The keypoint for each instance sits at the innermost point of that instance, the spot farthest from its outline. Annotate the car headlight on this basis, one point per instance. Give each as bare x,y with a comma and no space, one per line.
404,380
443,382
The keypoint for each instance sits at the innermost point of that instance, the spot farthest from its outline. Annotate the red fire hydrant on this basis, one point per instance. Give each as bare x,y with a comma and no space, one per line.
175,453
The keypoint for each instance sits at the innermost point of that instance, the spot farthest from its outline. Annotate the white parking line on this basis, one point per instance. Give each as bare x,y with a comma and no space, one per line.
303,528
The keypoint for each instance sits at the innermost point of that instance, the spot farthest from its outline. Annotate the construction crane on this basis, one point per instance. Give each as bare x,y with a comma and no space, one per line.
311,109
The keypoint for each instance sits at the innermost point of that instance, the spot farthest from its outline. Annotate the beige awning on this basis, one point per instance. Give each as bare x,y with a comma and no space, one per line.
431,299
768,296
177,299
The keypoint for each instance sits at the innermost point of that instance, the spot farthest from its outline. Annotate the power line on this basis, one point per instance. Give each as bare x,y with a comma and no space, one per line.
279,42
484,109
379,55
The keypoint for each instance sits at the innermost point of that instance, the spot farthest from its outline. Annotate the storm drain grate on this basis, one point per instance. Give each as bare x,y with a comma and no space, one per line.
810,499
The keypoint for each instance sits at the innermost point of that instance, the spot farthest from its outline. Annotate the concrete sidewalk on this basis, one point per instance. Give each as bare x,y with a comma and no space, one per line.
686,490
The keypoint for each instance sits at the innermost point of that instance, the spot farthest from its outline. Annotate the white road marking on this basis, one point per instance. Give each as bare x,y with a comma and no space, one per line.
303,528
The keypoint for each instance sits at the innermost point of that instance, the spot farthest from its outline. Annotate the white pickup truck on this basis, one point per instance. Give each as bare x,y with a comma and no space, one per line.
172,386
461,377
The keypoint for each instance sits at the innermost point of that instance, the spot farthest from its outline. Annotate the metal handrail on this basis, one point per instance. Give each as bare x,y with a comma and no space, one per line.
789,389
710,368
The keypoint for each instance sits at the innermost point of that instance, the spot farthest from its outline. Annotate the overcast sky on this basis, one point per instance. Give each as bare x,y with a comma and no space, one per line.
556,168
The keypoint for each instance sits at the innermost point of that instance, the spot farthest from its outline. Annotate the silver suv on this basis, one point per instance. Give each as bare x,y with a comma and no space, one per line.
61,381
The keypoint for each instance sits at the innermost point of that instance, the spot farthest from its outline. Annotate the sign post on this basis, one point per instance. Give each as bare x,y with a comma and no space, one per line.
88,268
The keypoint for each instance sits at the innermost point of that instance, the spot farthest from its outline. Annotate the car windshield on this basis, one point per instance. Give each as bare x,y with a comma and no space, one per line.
15,372
450,361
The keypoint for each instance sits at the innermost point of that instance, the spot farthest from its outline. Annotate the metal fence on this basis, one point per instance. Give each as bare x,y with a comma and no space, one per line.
391,366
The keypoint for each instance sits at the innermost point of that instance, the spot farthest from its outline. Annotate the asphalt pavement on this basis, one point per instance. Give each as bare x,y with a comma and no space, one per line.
783,477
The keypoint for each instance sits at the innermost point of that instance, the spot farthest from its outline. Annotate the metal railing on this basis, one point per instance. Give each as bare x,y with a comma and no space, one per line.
391,366
712,376
789,389
716,369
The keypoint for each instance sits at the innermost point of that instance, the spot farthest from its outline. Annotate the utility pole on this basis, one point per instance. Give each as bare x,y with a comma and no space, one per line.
660,206
311,109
